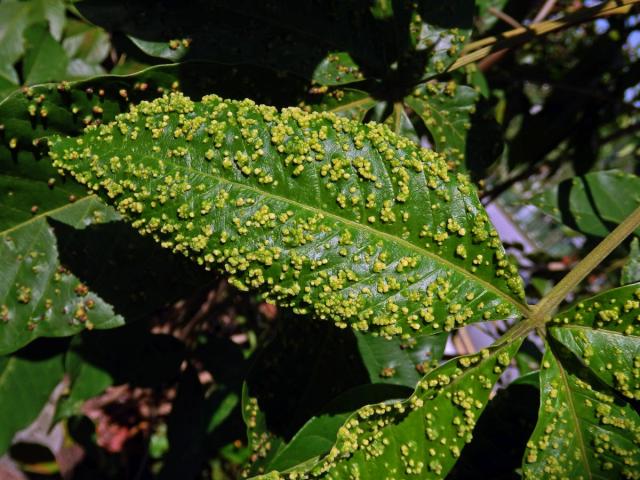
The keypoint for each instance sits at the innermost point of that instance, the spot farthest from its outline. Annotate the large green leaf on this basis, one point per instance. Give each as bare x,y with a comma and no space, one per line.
27,379
592,204
420,437
347,221
586,427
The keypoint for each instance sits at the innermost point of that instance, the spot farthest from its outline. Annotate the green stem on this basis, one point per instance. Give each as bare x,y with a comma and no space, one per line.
541,312
550,302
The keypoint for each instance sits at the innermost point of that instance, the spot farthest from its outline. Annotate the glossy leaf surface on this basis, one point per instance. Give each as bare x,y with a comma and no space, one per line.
325,214
587,426
583,430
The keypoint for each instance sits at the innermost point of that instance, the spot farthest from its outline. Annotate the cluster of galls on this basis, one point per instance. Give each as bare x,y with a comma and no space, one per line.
326,215
582,432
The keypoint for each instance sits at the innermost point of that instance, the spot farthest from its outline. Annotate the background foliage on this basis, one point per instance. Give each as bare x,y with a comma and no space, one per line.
203,380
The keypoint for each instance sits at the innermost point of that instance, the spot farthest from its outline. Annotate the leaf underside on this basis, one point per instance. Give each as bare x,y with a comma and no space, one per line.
347,221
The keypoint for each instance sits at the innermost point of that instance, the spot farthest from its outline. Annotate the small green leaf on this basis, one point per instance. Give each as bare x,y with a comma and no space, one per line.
172,50
38,297
345,102
401,362
324,214
337,68
631,270
439,30
26,382
446,110
44,59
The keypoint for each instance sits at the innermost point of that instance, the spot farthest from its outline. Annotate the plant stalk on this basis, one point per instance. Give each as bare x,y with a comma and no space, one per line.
558,293
542,311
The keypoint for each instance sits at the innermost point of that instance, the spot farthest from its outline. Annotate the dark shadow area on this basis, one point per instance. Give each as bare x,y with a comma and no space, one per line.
290,36
129,271
307,364
500,436
484,139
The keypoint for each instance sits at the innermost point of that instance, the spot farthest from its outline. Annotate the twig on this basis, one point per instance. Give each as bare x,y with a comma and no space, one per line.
506,18
482,48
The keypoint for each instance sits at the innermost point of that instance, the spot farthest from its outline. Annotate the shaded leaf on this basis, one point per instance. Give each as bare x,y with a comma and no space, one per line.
27,379
15,18
400,361
44,59
327,215
594,203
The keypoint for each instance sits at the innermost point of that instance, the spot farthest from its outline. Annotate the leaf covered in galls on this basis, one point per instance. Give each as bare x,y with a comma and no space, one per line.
346,221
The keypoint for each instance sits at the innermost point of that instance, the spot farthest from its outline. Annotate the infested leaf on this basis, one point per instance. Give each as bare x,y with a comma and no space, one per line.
422,436
324,214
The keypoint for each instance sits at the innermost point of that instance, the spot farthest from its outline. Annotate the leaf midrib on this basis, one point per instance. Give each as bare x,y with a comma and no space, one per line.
366,228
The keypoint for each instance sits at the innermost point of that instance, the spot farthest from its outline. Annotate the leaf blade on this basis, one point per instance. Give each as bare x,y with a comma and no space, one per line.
278,196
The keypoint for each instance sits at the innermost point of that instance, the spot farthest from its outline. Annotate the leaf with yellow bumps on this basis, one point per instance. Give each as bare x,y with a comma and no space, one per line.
604,333
446,110
347,221
590,380
421,437
584,430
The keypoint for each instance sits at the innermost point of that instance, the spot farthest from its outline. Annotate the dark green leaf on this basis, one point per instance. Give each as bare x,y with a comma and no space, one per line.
317,436
422,436
401,362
